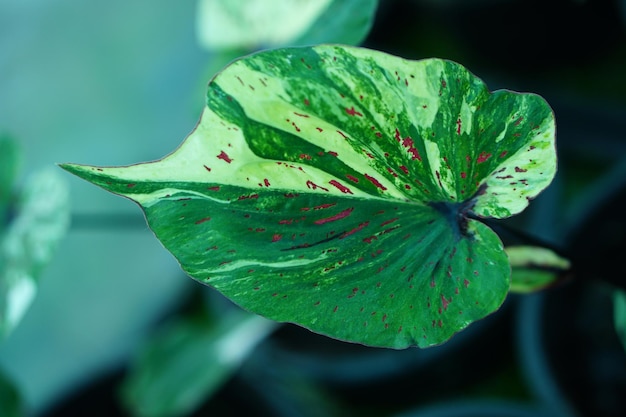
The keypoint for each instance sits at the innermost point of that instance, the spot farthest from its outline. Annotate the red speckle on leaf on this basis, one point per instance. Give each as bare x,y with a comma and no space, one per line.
518,121
342,134
353,293
503,154
518,169
432,283
311,185
214,188
352,112
370,239
276,237
458,126
335,309
375,182
207,168
353,231
466,283
324,206
300,114
205,219
385,223
224,156
351,178
304,156
266,182
391,171
306,102
484,156
397,136
291,195
404,169
246,197
463,175
408,144
319,129
332,153
340,186
131,185
445,302
338,216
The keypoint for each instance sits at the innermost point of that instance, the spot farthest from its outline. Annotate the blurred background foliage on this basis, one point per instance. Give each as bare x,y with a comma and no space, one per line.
115,327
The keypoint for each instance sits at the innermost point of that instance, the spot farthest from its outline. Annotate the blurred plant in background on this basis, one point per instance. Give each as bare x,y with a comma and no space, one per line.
34,219
115,82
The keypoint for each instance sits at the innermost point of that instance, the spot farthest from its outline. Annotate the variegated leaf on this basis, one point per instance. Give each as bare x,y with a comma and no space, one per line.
333,186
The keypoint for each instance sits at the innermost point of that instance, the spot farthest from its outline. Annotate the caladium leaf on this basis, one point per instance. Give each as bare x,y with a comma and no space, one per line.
339,188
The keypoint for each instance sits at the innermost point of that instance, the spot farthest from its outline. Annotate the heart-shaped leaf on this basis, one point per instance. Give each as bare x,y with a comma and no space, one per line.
338,188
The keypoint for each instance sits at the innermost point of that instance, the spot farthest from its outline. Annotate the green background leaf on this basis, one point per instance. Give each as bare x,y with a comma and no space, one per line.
534,268
255,24
187,361
30,241
330,186
10,401
9,163
619,314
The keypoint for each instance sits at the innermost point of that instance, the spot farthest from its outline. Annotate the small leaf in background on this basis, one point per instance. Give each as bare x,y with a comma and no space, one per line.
534,268
41,221
187,361
337,188
256,24
619,314
10,401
